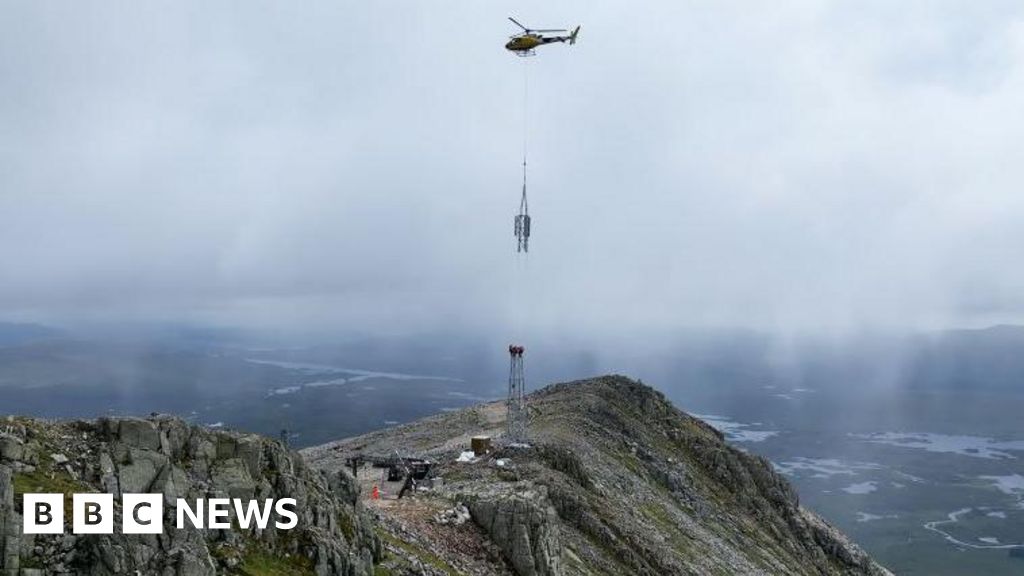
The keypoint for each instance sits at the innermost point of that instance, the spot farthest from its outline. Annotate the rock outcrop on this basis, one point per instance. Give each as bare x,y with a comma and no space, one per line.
524,526
165,455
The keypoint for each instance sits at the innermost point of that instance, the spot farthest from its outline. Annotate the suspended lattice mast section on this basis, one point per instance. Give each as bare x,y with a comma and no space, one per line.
522,221
517,414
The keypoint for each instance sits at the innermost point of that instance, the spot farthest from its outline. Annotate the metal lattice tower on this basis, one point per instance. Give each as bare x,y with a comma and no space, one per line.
517,414
522,221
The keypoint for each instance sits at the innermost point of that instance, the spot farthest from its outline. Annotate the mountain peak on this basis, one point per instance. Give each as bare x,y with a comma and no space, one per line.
616,480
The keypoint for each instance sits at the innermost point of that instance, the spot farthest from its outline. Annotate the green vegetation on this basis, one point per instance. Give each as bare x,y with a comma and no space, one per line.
264,564
679,540
347,526
629,461
659,516
425,556
31,562
45,480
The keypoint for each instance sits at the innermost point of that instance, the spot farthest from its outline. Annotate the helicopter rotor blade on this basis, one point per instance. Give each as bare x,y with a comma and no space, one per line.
558,30
516,22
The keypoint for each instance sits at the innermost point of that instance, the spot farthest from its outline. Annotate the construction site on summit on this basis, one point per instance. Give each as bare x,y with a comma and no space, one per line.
524,44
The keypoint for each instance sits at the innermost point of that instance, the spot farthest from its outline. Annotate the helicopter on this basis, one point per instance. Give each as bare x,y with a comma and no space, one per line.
523,44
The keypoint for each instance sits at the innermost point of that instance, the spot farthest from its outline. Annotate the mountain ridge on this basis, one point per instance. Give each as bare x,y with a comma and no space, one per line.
616,480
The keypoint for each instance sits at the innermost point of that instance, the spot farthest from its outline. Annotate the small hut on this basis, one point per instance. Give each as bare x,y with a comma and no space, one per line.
480,444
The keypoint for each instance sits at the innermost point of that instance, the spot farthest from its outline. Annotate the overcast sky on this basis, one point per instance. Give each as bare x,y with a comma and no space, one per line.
820,165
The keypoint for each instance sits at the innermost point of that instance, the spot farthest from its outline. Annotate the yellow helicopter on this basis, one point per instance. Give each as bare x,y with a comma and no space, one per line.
522,44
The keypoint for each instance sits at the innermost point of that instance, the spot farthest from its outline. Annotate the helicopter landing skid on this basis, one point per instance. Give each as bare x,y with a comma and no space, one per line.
525,53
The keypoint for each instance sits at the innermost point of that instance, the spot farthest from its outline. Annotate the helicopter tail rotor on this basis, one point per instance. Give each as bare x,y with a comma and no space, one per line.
572,37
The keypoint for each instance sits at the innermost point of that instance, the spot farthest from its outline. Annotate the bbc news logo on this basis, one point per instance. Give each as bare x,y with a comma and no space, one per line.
144,513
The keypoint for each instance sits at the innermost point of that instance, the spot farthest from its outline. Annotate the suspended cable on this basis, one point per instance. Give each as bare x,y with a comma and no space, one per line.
522,220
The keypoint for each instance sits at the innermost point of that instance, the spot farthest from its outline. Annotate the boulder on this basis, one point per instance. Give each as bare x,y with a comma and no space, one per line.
11,448
138,433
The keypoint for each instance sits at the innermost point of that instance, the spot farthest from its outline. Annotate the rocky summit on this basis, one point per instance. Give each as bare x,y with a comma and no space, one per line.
167,456
614,480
